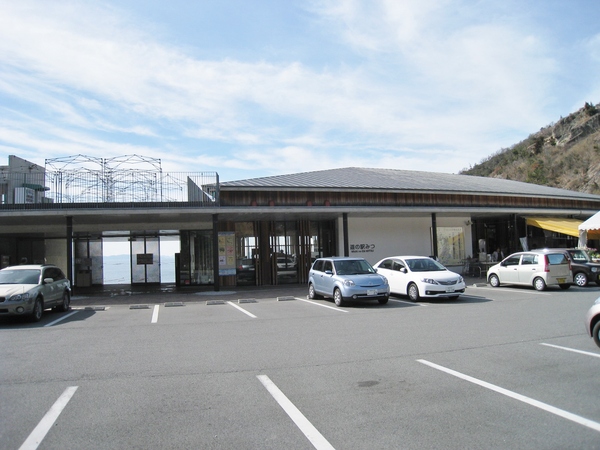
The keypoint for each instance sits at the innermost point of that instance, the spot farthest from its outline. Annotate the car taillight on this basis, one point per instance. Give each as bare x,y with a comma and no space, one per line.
546,264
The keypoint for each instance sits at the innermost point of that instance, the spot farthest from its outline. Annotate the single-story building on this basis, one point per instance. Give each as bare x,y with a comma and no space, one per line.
268,230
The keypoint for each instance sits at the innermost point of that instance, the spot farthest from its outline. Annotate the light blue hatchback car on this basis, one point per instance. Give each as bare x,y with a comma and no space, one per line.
345,279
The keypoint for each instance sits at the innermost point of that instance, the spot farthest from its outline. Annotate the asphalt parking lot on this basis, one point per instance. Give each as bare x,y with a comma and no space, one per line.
269,369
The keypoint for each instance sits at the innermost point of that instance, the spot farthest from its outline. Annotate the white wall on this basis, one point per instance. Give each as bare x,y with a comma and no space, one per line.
56,253
384,237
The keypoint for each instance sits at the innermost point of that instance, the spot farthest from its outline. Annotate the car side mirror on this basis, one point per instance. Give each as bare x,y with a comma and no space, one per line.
403,270
328,272
48,280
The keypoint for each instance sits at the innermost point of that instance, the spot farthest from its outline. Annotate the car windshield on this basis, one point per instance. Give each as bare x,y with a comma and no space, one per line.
23,276
353,267
424,265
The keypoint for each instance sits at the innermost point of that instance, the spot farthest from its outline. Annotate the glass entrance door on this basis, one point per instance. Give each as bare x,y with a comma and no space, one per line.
246,248
284,245
88,262
145,259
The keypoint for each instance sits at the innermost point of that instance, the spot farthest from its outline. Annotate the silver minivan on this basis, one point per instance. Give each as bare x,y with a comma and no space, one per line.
537,268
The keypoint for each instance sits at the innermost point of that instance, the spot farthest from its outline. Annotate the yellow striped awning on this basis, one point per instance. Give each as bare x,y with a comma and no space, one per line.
558,225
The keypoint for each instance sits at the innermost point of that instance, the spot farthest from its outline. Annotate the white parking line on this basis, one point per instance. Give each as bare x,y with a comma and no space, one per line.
155,314
506,289
312,434
324,306
242,310
406,302
596,355
60,319
544,406
39,433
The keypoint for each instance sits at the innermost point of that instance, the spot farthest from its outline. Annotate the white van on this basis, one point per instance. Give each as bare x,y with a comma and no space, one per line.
537,268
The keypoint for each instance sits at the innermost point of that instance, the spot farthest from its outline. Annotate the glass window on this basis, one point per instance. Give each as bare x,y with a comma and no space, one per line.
557,258
246,248
196,265
398,266
579,255
387,264
284,245
513,260
529,259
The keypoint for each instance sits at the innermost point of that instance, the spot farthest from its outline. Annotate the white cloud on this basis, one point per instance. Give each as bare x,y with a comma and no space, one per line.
426,79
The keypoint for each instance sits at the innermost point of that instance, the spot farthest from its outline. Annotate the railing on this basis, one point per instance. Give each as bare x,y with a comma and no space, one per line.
116,187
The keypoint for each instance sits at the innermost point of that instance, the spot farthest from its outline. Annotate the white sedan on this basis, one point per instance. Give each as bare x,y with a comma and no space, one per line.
420,276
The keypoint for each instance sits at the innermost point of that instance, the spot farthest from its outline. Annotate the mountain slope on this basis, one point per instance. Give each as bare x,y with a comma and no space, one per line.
565,155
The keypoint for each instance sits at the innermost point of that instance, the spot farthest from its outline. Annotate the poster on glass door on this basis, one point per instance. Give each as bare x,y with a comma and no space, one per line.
226,253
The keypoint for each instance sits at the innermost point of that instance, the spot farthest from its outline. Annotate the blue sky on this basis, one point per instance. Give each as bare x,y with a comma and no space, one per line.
267,87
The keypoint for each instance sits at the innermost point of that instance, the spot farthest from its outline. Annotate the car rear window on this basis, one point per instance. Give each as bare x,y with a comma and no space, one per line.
557,258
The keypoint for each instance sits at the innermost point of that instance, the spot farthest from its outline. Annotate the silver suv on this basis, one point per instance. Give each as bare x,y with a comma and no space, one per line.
29,289
537,268
345,279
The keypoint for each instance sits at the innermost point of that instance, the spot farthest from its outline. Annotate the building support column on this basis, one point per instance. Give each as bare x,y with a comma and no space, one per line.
516,239
216,280
434,235
345,231
70,249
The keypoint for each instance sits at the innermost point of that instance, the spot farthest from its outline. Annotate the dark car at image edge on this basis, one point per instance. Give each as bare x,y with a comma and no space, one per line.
584,269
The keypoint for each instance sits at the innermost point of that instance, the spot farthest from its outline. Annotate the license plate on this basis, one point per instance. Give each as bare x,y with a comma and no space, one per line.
371,291
450,289
560,280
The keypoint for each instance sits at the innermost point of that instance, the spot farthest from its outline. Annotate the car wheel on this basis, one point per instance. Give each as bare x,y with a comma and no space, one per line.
494,280
564,286
337,297
413,292
38,310
66,301
539,284
383,301
580,279
311,292
596,333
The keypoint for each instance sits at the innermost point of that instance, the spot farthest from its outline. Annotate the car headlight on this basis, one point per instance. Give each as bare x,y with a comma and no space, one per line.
429,281
594,269
385,280
461,280
348,283
19,297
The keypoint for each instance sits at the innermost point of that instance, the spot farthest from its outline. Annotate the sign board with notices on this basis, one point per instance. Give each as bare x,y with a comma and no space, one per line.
226,253
145,258
24,195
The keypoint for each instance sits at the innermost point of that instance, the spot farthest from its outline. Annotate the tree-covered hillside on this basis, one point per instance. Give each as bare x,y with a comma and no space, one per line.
565,155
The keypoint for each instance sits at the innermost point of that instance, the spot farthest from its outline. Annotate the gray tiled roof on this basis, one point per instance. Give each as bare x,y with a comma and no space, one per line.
358,179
